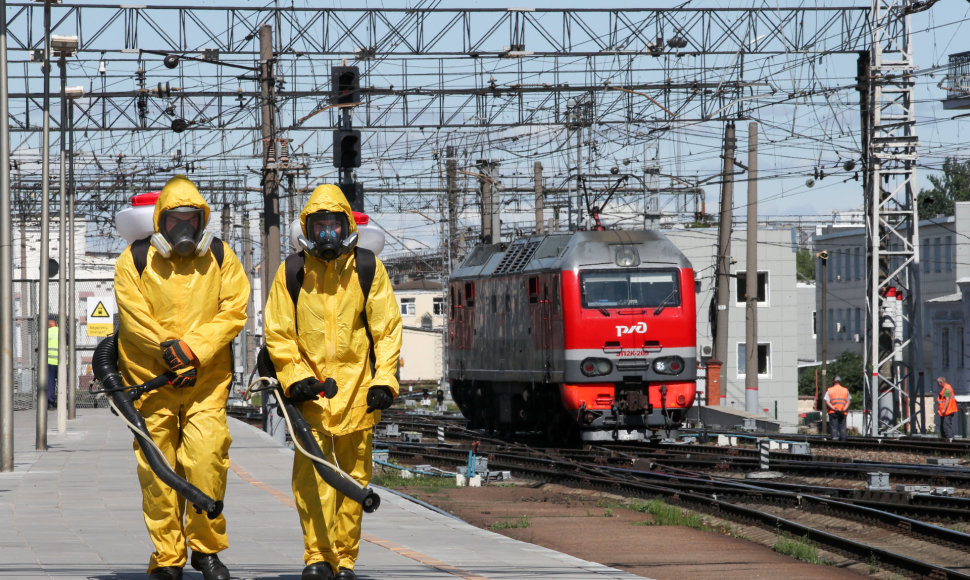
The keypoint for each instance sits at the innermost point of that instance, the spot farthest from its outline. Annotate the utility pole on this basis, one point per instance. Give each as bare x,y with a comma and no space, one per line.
537,171
62,321
40,401
6,266
271,179
823,329
451,185
751,279
724,258
491,225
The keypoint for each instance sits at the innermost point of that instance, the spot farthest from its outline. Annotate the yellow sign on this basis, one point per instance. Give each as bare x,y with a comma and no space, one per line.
100,311
100,320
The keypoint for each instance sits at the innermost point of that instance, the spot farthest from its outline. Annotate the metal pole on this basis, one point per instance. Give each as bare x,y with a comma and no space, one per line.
751,281
537,170
724,259
271,196
61,260
823,329
71,290
6,265
42,306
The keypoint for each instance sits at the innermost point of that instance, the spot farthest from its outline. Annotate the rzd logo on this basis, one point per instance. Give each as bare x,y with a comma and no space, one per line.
638,328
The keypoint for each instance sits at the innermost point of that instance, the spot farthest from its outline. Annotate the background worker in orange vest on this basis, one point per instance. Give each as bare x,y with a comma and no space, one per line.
946,408
837,399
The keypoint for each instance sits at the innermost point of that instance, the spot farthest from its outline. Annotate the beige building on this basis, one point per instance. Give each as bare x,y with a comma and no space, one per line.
422,305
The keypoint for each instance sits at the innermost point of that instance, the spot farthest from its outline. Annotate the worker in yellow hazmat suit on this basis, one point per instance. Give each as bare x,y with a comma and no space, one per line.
181,299
323,335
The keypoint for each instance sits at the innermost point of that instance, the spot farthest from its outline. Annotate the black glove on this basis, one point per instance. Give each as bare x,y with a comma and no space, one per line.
186,379
379,397
309,389
176,354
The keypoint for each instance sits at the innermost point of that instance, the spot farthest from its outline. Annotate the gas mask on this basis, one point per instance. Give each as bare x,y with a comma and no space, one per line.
329,235
182,231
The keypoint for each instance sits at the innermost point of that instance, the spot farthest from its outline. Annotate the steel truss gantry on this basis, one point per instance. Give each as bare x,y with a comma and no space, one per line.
893,349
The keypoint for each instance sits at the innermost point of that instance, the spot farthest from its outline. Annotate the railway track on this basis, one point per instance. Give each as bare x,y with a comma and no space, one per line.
896,531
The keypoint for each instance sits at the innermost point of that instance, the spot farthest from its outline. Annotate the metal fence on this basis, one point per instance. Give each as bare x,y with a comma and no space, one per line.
88,294
27,326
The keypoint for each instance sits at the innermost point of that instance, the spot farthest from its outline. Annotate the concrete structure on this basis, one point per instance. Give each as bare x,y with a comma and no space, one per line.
780,320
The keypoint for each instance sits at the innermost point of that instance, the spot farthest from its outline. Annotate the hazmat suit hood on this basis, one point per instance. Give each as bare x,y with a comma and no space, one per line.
328,197
180,191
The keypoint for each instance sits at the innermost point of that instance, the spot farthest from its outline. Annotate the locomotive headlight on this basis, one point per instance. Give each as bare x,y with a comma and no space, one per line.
627,257
595,367
668,365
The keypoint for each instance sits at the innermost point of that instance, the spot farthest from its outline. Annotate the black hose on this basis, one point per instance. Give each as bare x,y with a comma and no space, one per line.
105,366
365,496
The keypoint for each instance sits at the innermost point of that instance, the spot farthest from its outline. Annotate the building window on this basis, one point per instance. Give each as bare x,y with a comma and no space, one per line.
764,359
407,307
961,341
742,281
830,266
858,325
937,258
839,325
858,263
438,305
830,322
948,253
945,348
837,264
924,253
814,324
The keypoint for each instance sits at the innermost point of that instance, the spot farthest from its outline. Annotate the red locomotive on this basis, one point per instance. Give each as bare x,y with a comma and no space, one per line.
589,334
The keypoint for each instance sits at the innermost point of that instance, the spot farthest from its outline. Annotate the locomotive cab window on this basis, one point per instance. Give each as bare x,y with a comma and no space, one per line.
633,289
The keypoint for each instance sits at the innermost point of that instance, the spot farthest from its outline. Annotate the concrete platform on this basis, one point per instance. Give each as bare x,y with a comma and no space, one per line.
74,512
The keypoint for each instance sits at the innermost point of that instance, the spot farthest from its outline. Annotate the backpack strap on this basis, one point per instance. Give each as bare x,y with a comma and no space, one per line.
139,252
294,276
218,250
366,266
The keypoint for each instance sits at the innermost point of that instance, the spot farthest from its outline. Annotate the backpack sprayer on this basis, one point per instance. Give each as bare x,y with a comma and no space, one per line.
105,366
305,442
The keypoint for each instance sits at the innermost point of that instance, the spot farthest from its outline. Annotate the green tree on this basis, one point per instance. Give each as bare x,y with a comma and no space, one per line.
848,366
952,187
805,264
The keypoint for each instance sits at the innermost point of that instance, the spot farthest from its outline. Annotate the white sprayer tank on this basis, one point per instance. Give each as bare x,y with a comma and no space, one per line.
136,222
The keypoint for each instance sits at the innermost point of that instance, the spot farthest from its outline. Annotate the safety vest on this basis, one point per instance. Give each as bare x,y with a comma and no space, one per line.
53,337
946,397
838,397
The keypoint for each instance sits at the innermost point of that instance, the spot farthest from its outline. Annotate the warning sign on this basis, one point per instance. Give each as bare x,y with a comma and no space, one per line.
100,319
100,311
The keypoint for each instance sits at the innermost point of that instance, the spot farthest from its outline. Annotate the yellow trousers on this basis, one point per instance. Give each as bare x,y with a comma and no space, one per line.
197,447
330,521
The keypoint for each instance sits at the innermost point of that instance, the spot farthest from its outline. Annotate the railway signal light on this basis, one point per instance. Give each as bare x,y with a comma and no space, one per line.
346,148
344,85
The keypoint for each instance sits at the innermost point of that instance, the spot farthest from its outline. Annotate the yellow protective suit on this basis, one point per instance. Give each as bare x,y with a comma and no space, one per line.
194,299
332,342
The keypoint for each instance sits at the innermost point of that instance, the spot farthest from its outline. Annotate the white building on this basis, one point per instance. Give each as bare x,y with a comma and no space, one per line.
780,320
